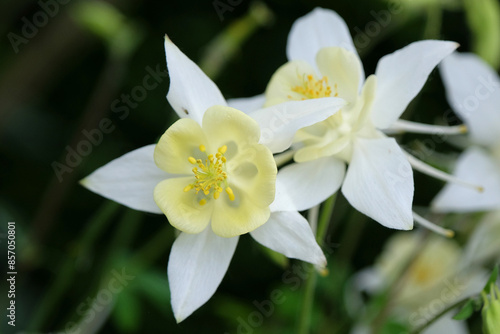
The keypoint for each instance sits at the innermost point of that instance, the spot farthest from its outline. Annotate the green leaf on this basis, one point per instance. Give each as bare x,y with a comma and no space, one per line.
491,280
466,311
483,17
154,286
127,312
394,327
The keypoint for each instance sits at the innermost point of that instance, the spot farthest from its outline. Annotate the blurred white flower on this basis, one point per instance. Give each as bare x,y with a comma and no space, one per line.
213,175
435,279
324,63
473,91
483,246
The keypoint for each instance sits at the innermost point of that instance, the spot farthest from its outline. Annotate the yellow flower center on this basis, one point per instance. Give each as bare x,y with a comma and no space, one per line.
314,89
210,175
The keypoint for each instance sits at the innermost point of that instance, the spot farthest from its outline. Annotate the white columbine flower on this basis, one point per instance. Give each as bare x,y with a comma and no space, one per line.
473,91
213,175
431,276
324,63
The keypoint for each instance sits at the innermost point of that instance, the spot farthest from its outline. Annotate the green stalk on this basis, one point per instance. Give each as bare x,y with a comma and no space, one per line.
458,304
325,218
308,301
433,24
308,298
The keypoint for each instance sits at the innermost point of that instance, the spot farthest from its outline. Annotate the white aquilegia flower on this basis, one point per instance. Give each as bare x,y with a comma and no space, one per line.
473,91
483,246
323,63
214,176
430,276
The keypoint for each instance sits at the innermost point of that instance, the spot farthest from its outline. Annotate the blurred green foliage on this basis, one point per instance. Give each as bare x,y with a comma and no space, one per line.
65,77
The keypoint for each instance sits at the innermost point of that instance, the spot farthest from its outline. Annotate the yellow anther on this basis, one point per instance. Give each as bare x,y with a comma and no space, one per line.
210,175
222,149
312,88
203,202
230,193
323,272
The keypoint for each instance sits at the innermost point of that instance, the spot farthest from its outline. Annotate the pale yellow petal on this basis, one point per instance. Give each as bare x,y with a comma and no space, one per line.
232,218
364,112
343,69
182,208
288,76
254,171
181,141
325,148
230,127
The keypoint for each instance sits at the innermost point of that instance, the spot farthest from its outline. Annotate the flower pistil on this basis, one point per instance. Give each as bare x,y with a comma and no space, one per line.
210,175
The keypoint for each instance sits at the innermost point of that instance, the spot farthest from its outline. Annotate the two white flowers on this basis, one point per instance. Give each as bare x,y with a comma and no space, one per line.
213,173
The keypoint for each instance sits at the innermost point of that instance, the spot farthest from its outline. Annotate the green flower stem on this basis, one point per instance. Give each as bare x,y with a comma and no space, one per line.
433,24
227,43
458,304
351,236
308,298
66,270
325,218
307,301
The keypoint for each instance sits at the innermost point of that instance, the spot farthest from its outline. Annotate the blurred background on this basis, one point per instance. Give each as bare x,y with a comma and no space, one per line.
94,71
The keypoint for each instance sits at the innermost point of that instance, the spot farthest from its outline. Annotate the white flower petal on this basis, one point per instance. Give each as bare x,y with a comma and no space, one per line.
191,91
279,123
379,182
369,279
196,267
402,74
483,246
310,183
247,104
476,167
282,201
290,234
319,29
473,91
129,180
342,68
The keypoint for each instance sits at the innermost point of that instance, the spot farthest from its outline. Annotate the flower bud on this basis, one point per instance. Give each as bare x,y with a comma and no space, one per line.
491,311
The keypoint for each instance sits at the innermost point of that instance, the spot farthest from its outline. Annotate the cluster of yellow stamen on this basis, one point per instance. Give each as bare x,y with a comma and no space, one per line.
210,175
314,89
